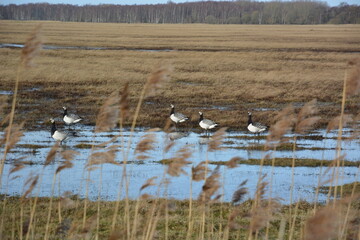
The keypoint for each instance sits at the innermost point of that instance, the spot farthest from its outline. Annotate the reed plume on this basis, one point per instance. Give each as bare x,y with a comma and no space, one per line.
335,122
146,144
232,163
323,225
232,219
217,140
108,114
32,47
66,202
239,193
263,209
284,123
64,165
52,153
353,78
210,186
198,173
97,158
148,183
157,79
305,120
177,163
124,102
32,181
17,166
15,132
168,146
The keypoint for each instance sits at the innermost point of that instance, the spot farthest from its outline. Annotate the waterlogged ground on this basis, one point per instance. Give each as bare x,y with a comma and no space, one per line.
35,146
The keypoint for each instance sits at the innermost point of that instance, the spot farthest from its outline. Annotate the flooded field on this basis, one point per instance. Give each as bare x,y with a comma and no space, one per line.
35,146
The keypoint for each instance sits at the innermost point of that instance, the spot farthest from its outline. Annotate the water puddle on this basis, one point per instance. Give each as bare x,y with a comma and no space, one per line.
6,92
35,146
51,47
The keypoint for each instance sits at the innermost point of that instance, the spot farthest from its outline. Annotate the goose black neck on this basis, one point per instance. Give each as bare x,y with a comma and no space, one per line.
53,128
201,118
250,120
172,111
65,112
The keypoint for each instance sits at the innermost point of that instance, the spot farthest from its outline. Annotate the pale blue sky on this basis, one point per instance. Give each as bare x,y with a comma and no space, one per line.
138,2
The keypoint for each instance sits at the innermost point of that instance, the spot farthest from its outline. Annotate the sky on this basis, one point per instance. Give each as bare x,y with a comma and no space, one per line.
139,2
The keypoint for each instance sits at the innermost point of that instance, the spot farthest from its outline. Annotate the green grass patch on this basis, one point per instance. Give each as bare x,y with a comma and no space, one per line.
249,137
287,162
346,188
282,147
31,146
84,146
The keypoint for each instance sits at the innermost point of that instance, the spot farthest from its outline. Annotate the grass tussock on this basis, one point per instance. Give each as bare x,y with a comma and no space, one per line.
286,162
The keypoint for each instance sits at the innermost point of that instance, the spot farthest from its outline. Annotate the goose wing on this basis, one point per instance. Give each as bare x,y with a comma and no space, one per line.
60,136
209,122
259,125
74,116
180,116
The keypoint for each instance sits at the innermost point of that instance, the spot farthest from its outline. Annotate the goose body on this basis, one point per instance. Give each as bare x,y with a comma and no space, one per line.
206,123
177,117
70,118
255,127
56,134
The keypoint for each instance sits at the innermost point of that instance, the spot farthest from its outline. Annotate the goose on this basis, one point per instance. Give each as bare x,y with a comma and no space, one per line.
177,117
57,135
256,127
70,118
206,123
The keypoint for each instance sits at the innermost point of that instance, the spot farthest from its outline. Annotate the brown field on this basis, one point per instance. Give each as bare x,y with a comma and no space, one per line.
222,70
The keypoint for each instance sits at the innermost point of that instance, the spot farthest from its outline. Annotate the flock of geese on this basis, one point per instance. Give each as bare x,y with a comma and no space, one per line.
176,117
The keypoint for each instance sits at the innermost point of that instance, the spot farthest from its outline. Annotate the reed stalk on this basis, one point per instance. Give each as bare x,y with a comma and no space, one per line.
11,120
339,139
46,236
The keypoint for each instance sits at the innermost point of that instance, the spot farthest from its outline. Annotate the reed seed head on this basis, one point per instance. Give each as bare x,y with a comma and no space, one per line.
157,78
335,122
305,120
353,78
149,182
52,153
124,102
239,193
323,225
109,114
232,163
177,163
32,47
217,140
198,172
210,186
284,123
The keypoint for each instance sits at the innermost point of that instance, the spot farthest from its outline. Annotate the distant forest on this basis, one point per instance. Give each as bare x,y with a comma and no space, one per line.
211,12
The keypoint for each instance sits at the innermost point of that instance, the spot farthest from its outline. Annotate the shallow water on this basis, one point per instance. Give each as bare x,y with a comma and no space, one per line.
35,146
52,47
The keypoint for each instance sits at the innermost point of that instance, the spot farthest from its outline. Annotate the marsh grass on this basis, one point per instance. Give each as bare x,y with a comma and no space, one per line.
152,216
286,162
250,58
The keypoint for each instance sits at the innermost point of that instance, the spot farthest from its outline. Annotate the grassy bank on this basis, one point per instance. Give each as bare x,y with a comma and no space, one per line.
223,219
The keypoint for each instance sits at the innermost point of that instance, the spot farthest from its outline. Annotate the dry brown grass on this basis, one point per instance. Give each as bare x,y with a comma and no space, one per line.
238,67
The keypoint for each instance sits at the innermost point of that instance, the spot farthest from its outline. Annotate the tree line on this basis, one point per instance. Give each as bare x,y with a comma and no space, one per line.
212,12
